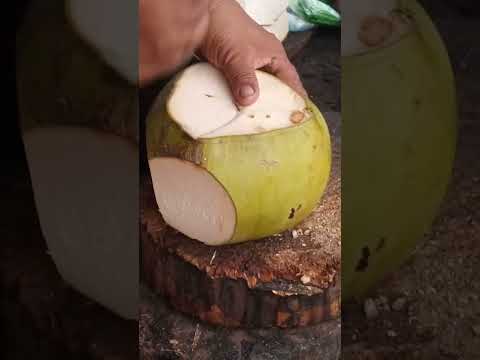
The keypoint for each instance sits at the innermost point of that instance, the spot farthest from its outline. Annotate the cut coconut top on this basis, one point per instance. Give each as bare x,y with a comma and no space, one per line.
201,103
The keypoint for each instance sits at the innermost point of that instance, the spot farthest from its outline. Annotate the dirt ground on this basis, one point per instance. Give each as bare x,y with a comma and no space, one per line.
430,309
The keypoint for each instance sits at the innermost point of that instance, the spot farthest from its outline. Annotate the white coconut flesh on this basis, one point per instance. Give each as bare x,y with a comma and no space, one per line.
271,15
264,12
372,24
192,201
203,106
85,186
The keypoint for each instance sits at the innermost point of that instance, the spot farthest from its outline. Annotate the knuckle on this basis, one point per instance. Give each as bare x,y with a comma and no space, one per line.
243,77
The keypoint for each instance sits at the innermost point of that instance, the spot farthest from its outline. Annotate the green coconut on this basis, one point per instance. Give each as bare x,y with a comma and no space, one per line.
399,139
223,174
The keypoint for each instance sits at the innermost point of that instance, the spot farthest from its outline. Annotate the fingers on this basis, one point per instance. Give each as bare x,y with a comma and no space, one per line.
244,84
285,71
243,81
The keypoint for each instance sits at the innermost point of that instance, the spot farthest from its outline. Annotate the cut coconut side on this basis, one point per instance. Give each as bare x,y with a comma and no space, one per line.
224,175
206,214
204,88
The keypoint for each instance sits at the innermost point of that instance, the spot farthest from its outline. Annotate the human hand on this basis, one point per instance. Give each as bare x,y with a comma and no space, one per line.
237,46
170,31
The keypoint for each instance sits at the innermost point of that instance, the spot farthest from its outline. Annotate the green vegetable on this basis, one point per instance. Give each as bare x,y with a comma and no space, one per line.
297,24
315,12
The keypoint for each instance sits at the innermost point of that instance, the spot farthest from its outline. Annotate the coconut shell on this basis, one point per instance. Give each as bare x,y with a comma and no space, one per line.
288,169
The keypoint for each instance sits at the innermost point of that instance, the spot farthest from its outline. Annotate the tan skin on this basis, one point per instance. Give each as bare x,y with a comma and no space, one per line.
220,32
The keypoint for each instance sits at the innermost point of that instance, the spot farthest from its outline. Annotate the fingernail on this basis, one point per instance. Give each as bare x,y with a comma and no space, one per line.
246,91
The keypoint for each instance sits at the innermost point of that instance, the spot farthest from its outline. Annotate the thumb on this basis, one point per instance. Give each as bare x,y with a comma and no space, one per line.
243,82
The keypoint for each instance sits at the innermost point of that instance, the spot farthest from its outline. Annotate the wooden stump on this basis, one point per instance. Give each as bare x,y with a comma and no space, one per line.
164,334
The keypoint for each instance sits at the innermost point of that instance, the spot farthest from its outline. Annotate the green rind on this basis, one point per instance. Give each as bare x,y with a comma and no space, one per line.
165,138
399,139
274,173
266,175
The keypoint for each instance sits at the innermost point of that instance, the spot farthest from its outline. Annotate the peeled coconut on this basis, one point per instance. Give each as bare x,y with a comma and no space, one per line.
223,174
80,131
399,136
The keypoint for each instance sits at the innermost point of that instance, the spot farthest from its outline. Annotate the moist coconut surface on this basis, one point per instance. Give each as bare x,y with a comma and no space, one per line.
201,103
205,214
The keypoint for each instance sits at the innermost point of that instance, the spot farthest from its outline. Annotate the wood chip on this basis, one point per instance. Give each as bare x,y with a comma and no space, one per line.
213,257
305,279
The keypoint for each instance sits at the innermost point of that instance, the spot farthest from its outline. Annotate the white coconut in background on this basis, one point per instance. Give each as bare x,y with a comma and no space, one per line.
271,14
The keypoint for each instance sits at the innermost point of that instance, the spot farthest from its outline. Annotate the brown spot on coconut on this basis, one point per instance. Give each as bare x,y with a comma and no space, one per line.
297,117
375,30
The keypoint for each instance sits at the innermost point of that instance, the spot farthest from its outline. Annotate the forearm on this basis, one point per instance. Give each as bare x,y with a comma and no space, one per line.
170,31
